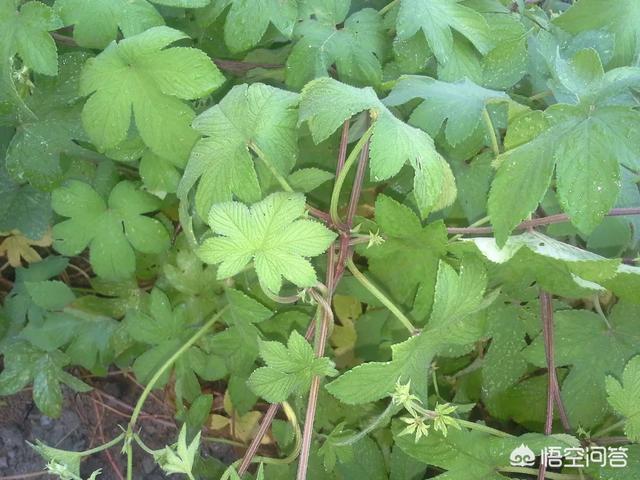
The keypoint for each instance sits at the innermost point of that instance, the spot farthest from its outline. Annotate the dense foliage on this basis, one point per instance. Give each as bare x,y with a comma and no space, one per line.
399,234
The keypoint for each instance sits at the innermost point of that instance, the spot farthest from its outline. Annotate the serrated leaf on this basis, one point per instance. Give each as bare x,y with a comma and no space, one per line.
247,20
624,397
458,106
17,247
393,142
249,118
289,369
578,334
355,45
139,74
308,179
25,363
110,229
269,233
25,32
438,19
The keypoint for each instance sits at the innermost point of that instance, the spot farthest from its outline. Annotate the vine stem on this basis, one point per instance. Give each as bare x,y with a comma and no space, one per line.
387,7
145,393
366,283
540,221
342,176
491,131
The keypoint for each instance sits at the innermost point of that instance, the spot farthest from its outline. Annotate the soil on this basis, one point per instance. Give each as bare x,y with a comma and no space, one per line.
88,420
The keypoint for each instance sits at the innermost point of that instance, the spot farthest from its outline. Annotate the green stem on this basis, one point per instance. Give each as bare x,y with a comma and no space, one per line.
342,176
281,180
491,131
145,393
293,420
102,447
483,428
366,283
224,441
387,7
534,472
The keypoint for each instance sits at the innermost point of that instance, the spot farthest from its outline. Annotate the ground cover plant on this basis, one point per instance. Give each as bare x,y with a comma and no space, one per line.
351,239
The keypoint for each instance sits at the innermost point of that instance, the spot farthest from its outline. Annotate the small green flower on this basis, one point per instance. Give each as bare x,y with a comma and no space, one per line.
442,419
415,426
403,396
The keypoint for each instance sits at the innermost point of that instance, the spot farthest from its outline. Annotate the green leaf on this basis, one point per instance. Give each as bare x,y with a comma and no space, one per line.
452,323
438,19
473,455
24,363
620,18
308,179
289,369
401,263
269,233
23,208
460,105
181,457
50,295
250,118
42,141
355,45
111,230
393,142
578,334
624,397
586,142
25,32
247,20
138,74
96,22
244,309
557,266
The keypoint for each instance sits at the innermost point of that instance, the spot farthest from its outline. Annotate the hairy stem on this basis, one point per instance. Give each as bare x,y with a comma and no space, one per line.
143,397
366,283
533,471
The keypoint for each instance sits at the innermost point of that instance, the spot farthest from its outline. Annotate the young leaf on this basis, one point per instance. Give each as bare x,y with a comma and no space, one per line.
181,457
289,369
437,19
355,45
111,230
269,233
393,142
139,74
25,32
625,397
250,118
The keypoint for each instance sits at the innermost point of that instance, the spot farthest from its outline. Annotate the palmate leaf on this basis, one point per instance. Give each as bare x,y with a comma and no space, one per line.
25,364
619,17
138,74
269,233
585,142
247,20
289,369
96,22
248,118
578,335
460,105
355,45
25,31
111,229
438,19
625,397
458,296
393,142
401,263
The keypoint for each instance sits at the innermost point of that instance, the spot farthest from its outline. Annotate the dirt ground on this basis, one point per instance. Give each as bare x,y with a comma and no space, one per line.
87,420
